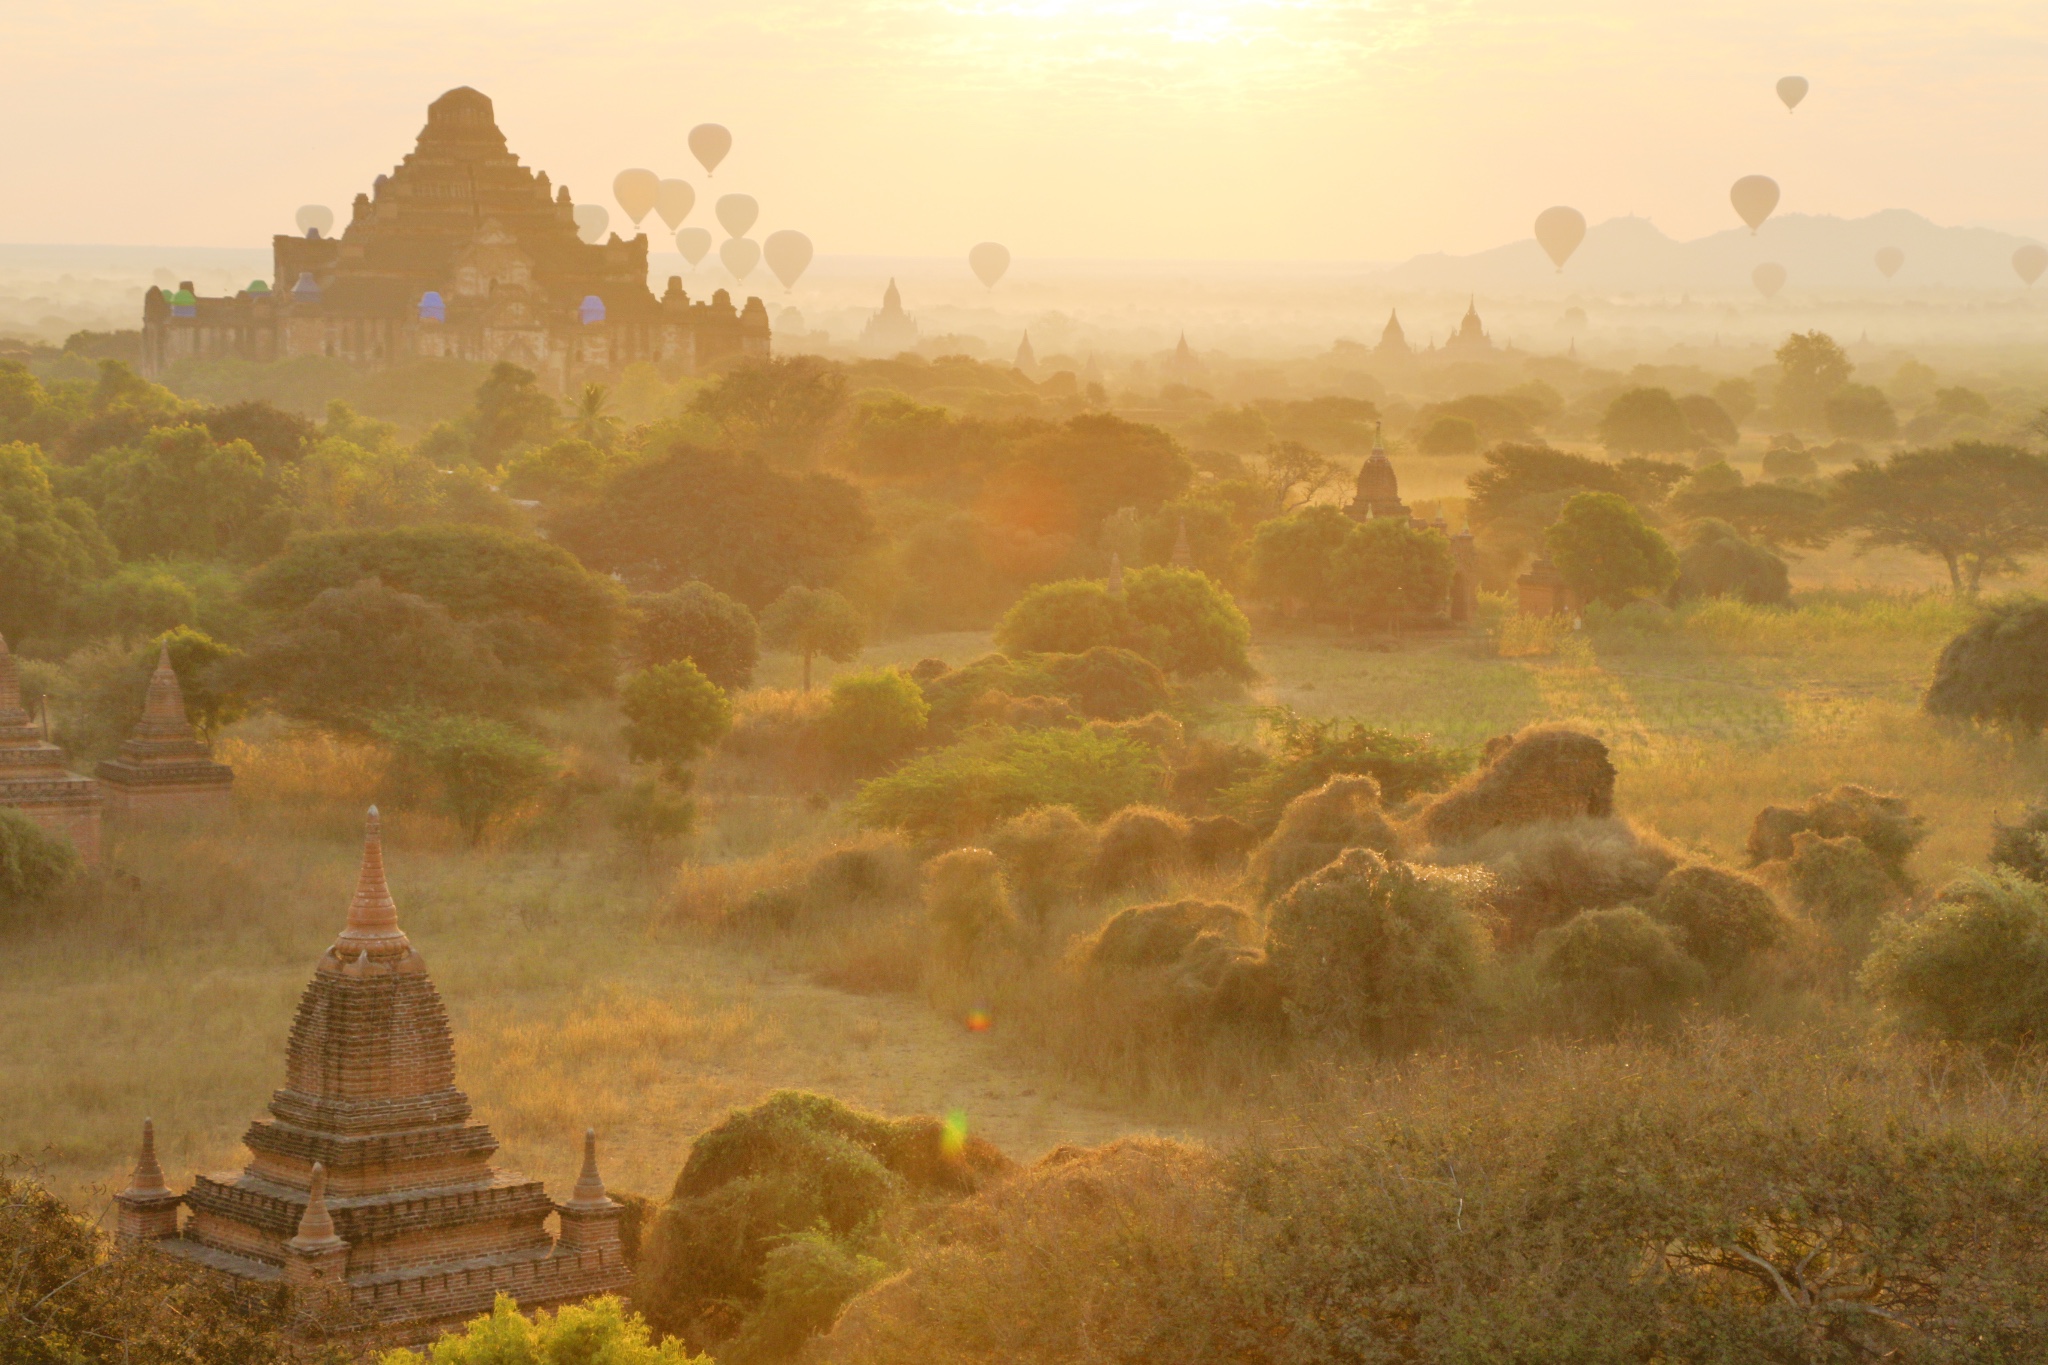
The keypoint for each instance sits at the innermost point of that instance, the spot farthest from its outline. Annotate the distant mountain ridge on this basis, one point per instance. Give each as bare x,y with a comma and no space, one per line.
1631,255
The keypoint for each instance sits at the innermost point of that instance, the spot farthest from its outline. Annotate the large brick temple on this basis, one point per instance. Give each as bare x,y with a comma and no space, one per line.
463,253
369,1198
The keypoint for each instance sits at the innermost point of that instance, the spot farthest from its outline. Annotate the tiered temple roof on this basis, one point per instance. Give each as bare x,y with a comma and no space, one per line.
1378,492
164,765
33,778
370,1193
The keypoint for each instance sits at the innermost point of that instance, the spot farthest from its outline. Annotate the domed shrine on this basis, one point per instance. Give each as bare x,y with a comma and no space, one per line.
369,1199
460,253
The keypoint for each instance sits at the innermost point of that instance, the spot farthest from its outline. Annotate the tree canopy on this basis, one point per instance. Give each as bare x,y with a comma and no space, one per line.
1978,508
1607,552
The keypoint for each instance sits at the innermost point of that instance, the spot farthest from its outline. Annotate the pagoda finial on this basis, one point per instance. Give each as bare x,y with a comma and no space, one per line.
165,703
149,1176
589,1185
316,1227
372,914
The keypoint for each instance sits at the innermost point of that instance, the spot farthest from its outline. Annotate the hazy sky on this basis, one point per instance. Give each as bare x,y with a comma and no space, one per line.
1260,129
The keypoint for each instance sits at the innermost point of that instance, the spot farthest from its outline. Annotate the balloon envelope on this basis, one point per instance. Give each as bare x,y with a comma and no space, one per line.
1889,259
1754,196
673,200
591,221
709,142
788,254
1768,278
694,243
988,261
737,212
1559,232
1792,89
312,216
740,255
635,191
2029,261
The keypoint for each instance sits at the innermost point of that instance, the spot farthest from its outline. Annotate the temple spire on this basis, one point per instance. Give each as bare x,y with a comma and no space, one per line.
316,1226
372,914
589,1185
149,1176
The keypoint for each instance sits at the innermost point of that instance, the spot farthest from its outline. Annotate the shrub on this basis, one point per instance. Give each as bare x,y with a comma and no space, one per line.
2022,848
1607,552
1317,826
33,863
482,770
1156,731
964,789
1072,616
1974,967
1720,563
1141,936
1310,752
805,1281
1785,465
1216,841
1045,854
1110,683
795,1163
1722,919
1185,623
1449,435
673,713
1996,671
596,1329
699,623
1842,885
776,731
873,719
1883,824
1545,873
1546,772
956,695
1139,846
1609,970
1376,952
1647,421
650,812
967,903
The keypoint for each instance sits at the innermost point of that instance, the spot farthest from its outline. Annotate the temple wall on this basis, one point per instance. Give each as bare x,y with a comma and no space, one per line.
165,802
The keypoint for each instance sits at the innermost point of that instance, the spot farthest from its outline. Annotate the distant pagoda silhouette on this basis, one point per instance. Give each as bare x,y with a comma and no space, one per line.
370,1198
890,331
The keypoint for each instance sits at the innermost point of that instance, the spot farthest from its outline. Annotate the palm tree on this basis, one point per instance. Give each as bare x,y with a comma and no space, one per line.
590,421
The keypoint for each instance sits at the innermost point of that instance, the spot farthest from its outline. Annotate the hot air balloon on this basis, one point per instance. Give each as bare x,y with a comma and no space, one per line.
1792,89
788,254
1559,232
709,143
1768,278
695,244
591,221
1754,196
636,191
1889,259
740,255
2029,261
737,212
673,200
988,261
315,218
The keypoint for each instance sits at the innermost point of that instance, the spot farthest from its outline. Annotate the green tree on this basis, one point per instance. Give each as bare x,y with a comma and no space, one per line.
1066,617
810,622
1996,670
873,719
50,547
571,470
651,811
1709,421
1860,412
178,493
673,714
1978,508
1773,514
1521,489
781,408
1392,571
511,411
1184,622
731,520
1737,398
1810,368
280,437
591,419
1065,481
1607,552
204,667
1718,562
1449,434
1646,422
699,623
1291,557
1293,475
33,863
1974,967
482,769
594,1332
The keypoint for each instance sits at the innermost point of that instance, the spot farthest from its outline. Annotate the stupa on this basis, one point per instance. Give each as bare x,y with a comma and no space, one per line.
1378,493
891,331
33,779
164,766
370,1199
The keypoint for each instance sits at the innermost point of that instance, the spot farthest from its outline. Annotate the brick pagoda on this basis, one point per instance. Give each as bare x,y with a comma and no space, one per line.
164,766
33,779
370,1197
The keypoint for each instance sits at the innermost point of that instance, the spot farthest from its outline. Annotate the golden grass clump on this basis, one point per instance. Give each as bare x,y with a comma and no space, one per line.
1883,823
1139,846
1843,885
1545,873
968,905
996,707
1140,936
1218,842
1547,772
1723,919
778,734
1046,853
1317,826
